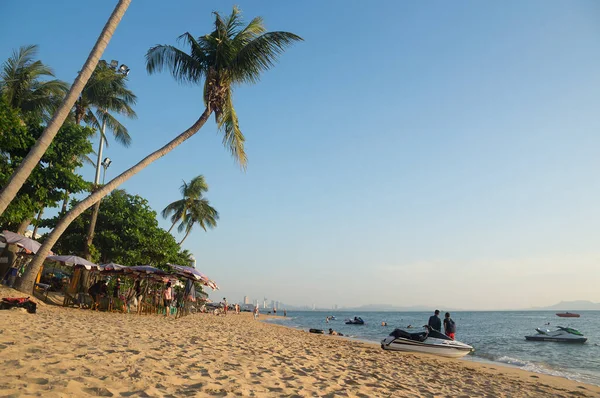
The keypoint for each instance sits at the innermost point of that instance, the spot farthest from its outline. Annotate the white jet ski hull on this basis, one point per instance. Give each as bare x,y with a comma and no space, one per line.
443,348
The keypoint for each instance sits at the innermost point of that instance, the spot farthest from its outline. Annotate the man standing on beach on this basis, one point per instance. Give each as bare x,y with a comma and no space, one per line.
434,321
224,306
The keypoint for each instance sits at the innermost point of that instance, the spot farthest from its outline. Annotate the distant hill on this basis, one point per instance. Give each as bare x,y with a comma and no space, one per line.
581,305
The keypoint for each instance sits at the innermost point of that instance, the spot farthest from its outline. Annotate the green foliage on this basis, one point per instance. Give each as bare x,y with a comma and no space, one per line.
54,174
232,54
106,92
127,233
193,208
22,86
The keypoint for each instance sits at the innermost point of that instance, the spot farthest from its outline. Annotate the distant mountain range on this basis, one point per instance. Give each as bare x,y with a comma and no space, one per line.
580,305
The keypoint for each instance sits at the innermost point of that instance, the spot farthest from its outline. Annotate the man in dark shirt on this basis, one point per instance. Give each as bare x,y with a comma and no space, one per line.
434,321
449,326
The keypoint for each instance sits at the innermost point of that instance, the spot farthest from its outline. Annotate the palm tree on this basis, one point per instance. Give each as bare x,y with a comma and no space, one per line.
190,192
22,86
18,178
230,55
105,92
199,212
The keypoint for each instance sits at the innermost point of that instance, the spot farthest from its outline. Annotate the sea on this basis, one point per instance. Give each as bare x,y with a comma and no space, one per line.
498,337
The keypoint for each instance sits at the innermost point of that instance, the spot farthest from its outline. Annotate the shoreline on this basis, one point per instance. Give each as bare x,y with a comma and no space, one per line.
63,352
468,358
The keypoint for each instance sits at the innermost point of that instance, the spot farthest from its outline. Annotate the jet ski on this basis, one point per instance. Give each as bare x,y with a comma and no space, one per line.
428,342
562,335
355,321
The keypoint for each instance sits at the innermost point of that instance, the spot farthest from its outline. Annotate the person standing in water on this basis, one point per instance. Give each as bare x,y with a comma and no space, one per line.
434,321
449,326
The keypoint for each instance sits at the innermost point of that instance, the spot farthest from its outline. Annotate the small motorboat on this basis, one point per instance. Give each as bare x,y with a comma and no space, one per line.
562,335
356,321
428,342
568,315
316,331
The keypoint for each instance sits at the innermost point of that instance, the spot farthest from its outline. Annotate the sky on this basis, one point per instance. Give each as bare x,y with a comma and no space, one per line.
408,153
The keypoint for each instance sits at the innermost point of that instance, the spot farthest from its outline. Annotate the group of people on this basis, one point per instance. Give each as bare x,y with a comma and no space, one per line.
99,289
435,323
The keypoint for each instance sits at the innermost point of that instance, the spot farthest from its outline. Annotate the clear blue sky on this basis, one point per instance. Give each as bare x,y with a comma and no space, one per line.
441,153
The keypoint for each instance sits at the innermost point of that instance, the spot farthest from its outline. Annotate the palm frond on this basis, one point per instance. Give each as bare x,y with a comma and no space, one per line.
119,131
183,67
174,208
233,139
259,55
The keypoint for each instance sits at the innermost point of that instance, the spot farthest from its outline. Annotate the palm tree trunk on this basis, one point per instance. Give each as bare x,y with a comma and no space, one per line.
37,223
185,237
20,175
174,222
24,224
90,234
65,202
26,283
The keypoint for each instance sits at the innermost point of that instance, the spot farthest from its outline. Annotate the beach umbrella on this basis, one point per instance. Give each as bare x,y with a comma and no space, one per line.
74,260
193,273
146,269
22,241
112,267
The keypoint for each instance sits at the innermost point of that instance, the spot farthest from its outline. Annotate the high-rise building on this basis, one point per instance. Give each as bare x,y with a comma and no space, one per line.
273,304
246,300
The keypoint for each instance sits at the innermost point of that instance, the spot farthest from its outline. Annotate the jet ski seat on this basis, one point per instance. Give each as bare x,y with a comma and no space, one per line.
421,336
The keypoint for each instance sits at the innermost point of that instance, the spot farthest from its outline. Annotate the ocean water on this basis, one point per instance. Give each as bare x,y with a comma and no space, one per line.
496,336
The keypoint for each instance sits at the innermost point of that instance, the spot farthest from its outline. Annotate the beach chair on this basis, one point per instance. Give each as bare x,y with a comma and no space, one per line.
44,288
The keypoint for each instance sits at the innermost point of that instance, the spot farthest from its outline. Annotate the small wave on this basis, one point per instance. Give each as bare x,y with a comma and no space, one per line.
531,366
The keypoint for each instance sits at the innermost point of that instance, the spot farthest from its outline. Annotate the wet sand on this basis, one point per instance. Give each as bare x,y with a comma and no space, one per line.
62,352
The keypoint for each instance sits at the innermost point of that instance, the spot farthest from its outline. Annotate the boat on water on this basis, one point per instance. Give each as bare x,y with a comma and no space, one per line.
562,335
568,315
428,342
356,321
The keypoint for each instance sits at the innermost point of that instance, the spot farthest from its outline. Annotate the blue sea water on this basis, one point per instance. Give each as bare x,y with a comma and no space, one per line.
496,336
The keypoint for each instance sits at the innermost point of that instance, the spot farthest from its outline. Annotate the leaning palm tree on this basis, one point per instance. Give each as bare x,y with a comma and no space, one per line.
23,87
199,212
18,178
231,55
190,192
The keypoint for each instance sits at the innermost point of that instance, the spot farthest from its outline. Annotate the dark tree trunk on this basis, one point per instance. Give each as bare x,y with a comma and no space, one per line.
90,233
37,223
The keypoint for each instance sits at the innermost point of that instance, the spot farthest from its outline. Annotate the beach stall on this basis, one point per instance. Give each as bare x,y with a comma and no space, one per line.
187,302
15,263
76,292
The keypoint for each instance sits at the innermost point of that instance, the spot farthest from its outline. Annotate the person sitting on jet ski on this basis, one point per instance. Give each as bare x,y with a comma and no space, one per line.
434,321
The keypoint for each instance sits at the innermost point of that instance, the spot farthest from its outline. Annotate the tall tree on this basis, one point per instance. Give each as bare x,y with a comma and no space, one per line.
190,192
23,87
104,94
144,243
230,55
18,178
200,212
54,173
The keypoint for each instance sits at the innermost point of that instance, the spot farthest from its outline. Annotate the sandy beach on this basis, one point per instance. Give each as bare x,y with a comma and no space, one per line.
62,352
